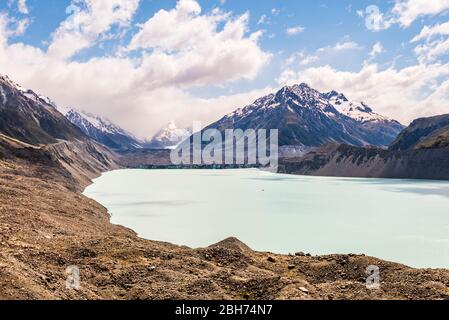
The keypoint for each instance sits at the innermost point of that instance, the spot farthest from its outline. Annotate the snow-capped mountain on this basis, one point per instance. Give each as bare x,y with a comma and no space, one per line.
306,117
360,112
32,118
30,94
168,137
384,128
102,130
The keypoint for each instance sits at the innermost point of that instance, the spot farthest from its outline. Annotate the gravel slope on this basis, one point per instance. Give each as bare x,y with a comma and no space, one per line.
46,225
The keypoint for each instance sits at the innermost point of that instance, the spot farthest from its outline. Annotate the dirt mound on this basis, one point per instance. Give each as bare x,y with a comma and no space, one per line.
232,244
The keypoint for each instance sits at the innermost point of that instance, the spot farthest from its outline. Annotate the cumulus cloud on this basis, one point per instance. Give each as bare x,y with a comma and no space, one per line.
431,49
147,84
403,94
10,26
404,13
429,32
87,23
407,11
197,51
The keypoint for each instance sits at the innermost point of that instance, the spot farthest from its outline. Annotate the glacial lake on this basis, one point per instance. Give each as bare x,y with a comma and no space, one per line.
405,221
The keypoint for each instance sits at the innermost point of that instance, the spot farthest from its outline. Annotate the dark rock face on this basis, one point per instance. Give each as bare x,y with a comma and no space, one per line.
103,131
306,117
31,118
430,132
350,161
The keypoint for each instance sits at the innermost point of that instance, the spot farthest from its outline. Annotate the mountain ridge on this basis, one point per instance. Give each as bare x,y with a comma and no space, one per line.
307,117
421,151
423,132
32,118
103,130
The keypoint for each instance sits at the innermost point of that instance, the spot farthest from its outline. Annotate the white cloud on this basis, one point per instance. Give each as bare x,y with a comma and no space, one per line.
377,49
85,25
347,45
22,6
263,19
407,11
275,11
303,59
403,94
404,13
10,26
196,52
295,30
339,47
431,49
429,32
144,90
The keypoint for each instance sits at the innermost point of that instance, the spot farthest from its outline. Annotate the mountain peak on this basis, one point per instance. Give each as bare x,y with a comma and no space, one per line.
297,88
168,137
310,118
102,130
335,96
301,93
32,118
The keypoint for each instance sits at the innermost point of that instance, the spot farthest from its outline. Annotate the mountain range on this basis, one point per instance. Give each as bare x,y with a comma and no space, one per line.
103,130
345,138
306,119
421,151
309,119
32,130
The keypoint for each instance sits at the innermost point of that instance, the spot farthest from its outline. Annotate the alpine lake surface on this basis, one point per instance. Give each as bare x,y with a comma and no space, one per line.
405,221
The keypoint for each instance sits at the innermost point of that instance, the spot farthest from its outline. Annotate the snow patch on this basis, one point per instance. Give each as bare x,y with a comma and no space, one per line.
171,136
3,95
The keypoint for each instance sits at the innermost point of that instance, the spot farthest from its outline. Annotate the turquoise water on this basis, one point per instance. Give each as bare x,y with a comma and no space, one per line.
405,221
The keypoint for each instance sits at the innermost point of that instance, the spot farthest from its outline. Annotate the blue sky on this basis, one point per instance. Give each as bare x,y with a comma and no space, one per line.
119,57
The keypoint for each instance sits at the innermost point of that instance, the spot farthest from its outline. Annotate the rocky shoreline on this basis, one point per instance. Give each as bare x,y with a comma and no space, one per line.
47,225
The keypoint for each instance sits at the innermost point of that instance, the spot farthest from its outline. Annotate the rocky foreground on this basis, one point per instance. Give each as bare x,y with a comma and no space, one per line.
46,225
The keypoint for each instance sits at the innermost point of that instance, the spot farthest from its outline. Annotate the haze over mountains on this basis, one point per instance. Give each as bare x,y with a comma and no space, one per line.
341,138
168,137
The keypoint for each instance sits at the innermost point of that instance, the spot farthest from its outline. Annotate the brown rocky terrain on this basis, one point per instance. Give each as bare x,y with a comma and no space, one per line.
46,225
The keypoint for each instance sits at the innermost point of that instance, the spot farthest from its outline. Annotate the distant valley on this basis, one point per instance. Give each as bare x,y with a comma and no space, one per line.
319,134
